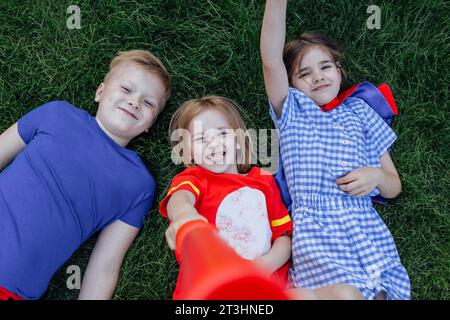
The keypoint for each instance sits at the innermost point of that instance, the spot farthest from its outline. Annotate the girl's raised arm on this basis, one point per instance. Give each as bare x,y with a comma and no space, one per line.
273,34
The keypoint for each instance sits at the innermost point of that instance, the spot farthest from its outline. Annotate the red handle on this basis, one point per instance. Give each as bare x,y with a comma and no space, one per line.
211,270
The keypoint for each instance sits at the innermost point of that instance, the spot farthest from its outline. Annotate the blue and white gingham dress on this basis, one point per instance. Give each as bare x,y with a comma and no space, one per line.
337,238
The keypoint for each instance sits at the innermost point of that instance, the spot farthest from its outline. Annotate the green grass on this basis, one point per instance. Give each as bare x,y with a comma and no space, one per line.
212,47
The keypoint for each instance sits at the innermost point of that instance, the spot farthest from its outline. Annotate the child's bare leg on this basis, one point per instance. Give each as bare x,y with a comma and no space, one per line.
340,291
301,294
382,295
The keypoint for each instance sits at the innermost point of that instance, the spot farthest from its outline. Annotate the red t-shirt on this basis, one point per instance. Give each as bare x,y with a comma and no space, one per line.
247,210
7,295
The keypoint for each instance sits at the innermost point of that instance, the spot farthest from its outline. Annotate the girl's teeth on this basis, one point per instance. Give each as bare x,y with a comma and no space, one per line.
217,156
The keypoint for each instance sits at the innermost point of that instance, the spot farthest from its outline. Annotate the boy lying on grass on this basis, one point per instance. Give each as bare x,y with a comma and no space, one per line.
72,176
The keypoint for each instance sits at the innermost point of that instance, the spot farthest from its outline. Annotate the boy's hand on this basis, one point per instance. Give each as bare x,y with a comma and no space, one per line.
360,182
176,224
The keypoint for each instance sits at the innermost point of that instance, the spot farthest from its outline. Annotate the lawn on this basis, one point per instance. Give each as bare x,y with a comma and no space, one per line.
212,47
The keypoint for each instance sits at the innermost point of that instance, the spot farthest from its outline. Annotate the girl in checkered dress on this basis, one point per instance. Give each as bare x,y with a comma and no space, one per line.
334,162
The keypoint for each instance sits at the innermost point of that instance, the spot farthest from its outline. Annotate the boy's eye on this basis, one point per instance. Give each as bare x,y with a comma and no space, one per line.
302,75
125,89
326,67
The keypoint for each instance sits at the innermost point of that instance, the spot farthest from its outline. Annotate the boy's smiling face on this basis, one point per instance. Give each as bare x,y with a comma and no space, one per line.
129,101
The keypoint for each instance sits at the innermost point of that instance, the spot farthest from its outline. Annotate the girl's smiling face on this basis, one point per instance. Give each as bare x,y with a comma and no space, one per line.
317,76
213,142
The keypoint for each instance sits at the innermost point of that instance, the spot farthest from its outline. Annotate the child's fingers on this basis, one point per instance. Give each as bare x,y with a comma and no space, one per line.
170,238
359,192
363,193
350,187
173,229
171,232
347,179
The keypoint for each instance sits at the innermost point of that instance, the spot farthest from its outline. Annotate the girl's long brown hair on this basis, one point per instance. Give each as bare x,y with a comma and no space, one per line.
295,50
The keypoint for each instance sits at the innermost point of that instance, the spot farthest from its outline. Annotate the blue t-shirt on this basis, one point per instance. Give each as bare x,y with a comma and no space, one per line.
70,181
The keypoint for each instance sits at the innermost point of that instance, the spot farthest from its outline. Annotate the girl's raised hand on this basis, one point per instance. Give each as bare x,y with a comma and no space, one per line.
360,182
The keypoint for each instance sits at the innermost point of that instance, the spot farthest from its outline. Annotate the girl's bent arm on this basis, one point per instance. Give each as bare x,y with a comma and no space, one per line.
362,181
272,43
278,255
389,184
180,210
181,203
10,145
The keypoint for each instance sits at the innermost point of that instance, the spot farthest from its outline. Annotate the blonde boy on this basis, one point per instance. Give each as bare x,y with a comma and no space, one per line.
64,175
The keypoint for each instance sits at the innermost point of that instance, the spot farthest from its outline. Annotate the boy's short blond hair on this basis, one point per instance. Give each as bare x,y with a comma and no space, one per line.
147,61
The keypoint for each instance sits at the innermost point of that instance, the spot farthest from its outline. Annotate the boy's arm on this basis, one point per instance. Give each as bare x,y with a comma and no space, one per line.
180,209
273,33
102,273
278,255
10,145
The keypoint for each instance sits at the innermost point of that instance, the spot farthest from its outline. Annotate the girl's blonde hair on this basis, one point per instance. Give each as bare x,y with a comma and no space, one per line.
182,118
296,49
